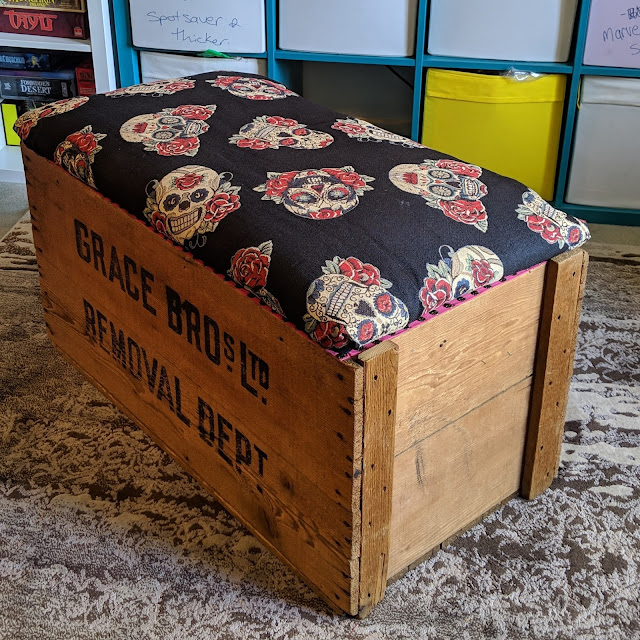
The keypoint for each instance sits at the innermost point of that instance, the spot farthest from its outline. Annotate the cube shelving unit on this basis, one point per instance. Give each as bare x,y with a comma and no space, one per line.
282,65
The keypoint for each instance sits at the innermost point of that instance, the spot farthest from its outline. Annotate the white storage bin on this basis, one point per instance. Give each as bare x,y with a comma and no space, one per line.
605,169
370,92
198,25
502,29
161,66
360,27
613,35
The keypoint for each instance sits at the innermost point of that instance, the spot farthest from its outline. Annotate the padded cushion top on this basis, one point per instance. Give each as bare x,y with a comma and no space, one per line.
348,231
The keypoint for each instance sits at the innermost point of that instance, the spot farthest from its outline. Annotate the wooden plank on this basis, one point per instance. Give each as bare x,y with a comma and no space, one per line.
455,475
564,290
270,423
380,386
457,361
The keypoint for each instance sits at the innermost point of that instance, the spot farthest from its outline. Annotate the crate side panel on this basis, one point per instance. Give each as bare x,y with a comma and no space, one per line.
456,474
456,361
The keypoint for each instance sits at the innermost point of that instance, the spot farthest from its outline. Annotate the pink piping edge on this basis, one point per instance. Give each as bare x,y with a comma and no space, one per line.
354,352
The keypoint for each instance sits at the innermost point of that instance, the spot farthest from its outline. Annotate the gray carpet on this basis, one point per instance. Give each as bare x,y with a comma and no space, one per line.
13,204
103,537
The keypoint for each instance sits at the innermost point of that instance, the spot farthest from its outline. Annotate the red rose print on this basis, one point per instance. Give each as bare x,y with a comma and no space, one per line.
158,220
347,177
188,181
357,271
547,229
467,211
24,129
254,143
460,168
178,146
250,267
349,128
85,142
287,142
482,272
276,186
434,293
225,81
193,112
326,142
574,236
173,87
330,335
283,122
384,304
325,214
220,206
366,331
45,112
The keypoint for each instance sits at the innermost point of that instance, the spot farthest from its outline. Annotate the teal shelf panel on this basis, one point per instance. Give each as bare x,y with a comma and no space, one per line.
601,215
281,67
449,62
623,72
282,54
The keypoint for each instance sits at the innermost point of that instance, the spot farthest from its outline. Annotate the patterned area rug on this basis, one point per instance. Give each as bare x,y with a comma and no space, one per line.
102,536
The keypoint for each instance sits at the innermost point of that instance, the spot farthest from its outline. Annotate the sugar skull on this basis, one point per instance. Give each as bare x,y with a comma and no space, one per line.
457,273
449,185
155,89
317,194
172,132
189,202
368,312
364,131
552,224
77,153
273,132
252,88
28,120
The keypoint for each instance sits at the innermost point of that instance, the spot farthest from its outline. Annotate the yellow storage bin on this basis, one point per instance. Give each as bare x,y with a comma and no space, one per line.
505,125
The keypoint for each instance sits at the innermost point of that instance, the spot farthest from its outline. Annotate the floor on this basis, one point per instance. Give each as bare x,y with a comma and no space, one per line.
13,205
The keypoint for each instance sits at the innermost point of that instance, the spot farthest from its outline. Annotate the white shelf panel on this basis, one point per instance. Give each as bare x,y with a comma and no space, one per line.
11,169
44,42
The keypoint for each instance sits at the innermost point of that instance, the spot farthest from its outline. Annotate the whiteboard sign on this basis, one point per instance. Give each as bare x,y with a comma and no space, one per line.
197,25
613,37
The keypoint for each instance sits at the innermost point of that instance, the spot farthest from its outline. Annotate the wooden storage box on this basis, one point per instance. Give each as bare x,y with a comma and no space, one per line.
351,471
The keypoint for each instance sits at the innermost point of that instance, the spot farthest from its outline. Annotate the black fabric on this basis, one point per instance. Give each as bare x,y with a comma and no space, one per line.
418,236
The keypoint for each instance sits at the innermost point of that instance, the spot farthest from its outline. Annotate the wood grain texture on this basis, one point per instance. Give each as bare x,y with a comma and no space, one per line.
380,385
564,290
267,421
445,482
456,361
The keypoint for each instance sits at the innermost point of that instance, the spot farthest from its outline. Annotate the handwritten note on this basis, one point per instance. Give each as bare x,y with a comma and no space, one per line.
613,36
197,25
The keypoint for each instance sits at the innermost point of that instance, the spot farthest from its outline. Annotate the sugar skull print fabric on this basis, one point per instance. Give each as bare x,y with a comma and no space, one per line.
156,89
351,301
252,88
350,232
77,152
317,194
250,269
451,186
457,273
364,131
171,132
274,132
28,120
552,224
190,202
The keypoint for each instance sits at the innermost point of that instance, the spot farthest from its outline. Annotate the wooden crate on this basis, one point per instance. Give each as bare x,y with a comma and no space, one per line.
351,472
